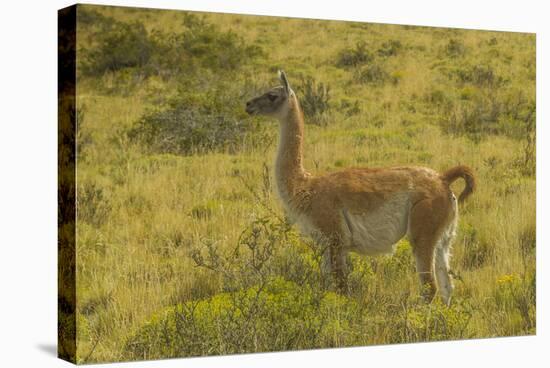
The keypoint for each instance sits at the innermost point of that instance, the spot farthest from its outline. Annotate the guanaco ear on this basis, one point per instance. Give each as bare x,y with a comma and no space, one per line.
286,85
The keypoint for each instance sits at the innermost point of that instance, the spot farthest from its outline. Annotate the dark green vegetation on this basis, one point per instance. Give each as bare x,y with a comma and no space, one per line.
182,246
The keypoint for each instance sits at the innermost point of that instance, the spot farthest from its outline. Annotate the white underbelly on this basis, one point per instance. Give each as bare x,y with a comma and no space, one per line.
378,231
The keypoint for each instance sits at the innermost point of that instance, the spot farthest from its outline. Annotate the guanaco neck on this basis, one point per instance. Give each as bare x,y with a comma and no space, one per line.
289,169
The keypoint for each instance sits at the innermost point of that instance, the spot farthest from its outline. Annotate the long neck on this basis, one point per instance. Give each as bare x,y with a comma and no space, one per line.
289,169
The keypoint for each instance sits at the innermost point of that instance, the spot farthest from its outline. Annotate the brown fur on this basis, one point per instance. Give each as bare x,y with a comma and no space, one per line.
465,173
324,205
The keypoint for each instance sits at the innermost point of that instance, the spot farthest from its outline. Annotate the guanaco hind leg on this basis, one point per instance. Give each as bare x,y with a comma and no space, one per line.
442,255
430,236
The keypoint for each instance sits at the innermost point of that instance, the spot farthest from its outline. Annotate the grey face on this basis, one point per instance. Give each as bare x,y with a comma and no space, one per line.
269,104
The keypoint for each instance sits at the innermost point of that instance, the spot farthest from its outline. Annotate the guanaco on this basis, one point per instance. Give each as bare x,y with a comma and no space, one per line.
365,210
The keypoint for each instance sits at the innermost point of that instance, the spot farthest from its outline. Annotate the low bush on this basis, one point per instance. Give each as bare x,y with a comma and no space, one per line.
117,45
91,18
184,131
372,74
433,322
485,113
355,56
515,295
350,108
201,45
477,250
123,45
525,113
438,98
479,75
455,48
390,48
280,315
272,300
93,203
314,100
197,120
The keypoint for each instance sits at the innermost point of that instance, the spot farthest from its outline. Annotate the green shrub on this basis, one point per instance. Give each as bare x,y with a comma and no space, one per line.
391,269
492,41
477,250
93,203
433,322
361,277
263,310
356,56
390,48
314,99
350,108
515,296
455,48
92,18
123,45
280,315
214,48
299,264
438,98
201,45
372,74
485,113
83,137
479,75
525,113
117,45
184,131
254,260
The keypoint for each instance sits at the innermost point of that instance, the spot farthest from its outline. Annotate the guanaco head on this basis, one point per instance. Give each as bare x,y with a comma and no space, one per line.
274,102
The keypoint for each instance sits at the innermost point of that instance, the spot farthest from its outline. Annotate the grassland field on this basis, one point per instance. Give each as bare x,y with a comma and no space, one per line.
164,202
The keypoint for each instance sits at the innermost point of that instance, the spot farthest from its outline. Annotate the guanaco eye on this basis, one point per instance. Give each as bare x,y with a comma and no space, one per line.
272,97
